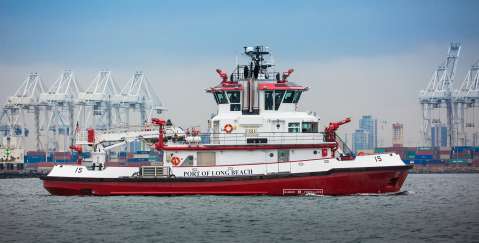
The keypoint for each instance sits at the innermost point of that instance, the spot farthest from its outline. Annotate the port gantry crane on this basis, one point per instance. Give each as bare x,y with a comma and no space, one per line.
96,103
467,103
60,101
14,117
439,96
137,96
59,110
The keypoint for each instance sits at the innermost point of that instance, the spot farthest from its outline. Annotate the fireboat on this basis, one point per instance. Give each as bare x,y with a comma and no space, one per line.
257,143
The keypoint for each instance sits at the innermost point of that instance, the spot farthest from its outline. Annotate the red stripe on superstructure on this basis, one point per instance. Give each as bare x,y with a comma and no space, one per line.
275,86
226,87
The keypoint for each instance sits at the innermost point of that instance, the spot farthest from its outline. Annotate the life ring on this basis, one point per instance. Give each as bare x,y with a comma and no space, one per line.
175,161
228,128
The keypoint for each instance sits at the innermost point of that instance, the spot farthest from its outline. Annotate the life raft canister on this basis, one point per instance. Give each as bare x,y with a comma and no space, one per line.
175,161
228,128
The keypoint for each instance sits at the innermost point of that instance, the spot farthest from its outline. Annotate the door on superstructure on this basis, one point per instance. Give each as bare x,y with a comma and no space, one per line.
206,158
283,155
216,132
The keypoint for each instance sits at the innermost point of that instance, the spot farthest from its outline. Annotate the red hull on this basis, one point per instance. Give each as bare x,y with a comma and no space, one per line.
333,183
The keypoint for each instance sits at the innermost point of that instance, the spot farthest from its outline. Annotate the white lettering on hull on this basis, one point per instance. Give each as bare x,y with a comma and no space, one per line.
229,172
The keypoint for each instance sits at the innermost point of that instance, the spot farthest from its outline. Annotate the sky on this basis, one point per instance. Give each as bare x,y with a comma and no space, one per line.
357,57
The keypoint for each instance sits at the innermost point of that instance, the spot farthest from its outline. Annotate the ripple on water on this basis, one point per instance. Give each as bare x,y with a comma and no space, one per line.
432,207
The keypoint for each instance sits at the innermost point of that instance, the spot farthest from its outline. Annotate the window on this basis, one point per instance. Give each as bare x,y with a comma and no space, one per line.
256,140
297,95
288,97
188,161
235,100
233,96
283,155
220,98
309,127
235,107
268,100
216,98
293,127
278,97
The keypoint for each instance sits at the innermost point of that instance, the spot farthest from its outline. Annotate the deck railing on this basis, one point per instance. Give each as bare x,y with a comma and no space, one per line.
344,147
262,138
264,76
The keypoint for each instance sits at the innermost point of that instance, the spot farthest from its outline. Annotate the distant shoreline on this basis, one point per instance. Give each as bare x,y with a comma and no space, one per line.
13,175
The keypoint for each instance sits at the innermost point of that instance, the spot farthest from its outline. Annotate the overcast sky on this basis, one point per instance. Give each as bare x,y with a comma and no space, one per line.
358,57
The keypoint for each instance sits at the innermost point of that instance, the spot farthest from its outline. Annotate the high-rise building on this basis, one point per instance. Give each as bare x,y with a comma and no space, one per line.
370,125
398,134
360,140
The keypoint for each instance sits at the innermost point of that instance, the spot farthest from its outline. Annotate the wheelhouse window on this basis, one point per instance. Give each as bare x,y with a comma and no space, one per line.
288,96
220,97
268,100
309,127
278,97
275,98
293,127
296,96
235,100
233,96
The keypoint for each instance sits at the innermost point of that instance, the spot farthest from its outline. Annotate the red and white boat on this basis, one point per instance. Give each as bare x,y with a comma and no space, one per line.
258,143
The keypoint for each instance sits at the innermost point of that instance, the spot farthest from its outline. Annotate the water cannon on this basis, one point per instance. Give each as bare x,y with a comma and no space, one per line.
79,150
223,75
330,130
286,75
76,148
158,122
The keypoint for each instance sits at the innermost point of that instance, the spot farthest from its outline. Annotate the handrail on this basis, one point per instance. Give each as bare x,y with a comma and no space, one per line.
343,146
264,138
239,76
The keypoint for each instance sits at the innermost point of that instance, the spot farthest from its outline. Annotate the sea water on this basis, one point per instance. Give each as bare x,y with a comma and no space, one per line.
433,207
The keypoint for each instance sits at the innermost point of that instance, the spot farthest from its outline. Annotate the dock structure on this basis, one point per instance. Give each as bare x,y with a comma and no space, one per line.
57,113
449,112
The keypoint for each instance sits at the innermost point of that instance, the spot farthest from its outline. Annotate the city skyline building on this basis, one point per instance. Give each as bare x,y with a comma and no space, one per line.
360,140
397,134
370,125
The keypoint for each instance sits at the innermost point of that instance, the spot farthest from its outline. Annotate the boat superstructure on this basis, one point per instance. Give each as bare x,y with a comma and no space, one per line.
258,142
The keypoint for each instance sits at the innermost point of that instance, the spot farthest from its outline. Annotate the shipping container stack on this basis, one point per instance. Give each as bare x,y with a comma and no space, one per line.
41,159
427,155
116,158
461,155
156,157
409,155
138,158
475,156
443,154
